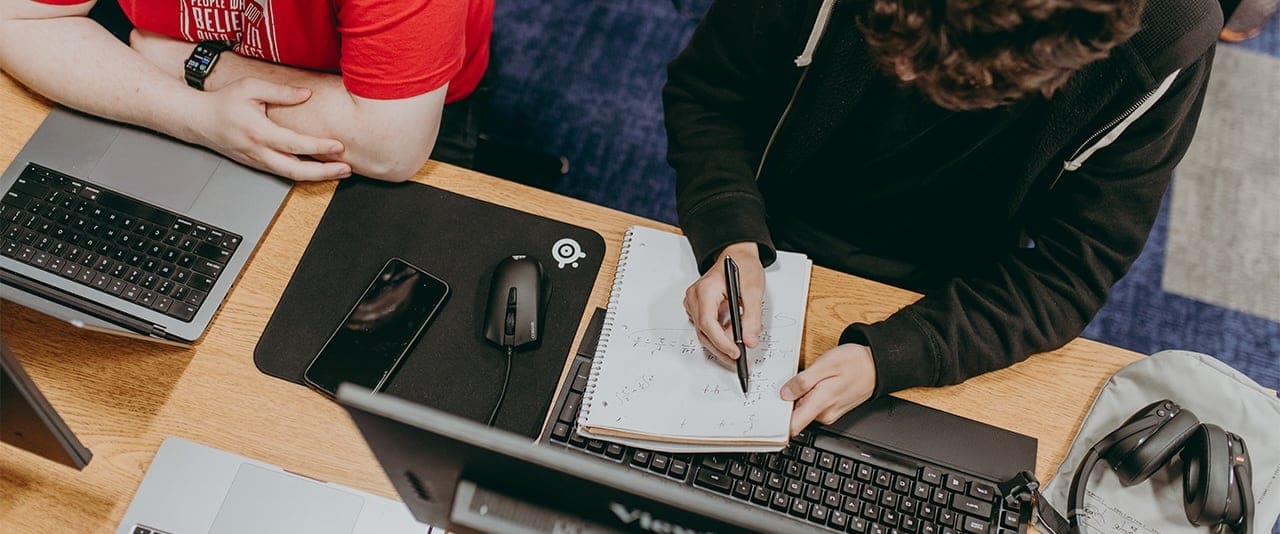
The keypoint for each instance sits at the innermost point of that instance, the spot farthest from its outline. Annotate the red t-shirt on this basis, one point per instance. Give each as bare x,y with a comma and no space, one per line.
384,49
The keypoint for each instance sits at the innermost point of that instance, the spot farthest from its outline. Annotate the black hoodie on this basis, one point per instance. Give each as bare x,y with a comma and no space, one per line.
751,125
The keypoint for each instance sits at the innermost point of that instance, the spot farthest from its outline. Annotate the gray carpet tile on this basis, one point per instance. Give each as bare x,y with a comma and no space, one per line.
1224,229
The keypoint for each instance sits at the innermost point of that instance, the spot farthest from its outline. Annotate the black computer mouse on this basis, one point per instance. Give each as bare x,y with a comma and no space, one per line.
516,310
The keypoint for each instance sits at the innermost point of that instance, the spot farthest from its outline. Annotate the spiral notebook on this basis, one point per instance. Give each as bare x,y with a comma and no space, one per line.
652,384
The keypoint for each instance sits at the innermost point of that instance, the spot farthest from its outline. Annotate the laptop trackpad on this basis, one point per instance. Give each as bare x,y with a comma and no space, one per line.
156,169
261,500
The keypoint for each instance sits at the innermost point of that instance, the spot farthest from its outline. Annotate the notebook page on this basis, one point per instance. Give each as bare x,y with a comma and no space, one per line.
657,379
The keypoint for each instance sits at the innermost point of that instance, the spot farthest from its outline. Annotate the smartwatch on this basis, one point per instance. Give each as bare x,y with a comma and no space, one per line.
201,61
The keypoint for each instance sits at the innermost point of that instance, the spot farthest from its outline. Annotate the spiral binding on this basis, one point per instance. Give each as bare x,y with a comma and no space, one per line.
606,328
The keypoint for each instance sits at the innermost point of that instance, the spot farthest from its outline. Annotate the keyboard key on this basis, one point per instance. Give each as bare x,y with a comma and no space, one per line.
852,506
149,281
808,455
931,476
715,463
196,298
780,502
613,450
838,520
775,481
827,461
794,487
207,267
116,287
147,298
908,506
581,373
888,500
832,499
101,282
162,304
230,242
850,487
756,475
884,478
86,275
970,506
955,483
640,458
818,514
946,517
902,484
201,282
761,496
982,491
165,287
737,470
812,493
10,249
39,258
55,265
568,412
974,525
857,524
560,432
831,481
798,508
713,480
865,472
927,511
1009,520
211,251
678,469
742,490
888,517
577,440
909,524
659,463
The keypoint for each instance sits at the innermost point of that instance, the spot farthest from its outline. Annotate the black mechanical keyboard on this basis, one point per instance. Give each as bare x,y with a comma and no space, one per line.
112,243
827,480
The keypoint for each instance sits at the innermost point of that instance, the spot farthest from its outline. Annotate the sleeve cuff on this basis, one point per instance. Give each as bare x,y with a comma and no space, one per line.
724,223
901,349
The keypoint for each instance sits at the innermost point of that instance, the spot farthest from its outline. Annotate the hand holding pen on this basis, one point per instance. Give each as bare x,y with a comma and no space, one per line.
707,302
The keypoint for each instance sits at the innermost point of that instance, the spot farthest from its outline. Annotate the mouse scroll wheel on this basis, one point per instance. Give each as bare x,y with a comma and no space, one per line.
510,327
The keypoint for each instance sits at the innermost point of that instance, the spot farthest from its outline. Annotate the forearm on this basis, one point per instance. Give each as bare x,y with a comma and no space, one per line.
374,146
103,76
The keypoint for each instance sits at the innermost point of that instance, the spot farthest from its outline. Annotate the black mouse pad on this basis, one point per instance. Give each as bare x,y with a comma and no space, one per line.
460,240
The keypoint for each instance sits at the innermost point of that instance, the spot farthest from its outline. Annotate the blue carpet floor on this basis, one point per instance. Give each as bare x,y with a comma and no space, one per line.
583,80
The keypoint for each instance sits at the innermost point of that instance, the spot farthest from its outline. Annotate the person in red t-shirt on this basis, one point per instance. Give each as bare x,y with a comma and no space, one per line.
309,90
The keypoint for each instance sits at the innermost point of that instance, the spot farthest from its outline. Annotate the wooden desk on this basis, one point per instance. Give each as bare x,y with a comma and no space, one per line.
123,397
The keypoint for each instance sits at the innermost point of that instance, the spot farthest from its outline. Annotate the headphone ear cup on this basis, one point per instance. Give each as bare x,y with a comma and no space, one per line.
1135,458
1206,461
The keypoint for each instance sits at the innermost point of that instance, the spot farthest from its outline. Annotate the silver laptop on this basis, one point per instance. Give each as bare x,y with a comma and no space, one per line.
119,229
193,488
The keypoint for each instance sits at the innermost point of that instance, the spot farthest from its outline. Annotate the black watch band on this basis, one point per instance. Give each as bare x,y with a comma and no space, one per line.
201,61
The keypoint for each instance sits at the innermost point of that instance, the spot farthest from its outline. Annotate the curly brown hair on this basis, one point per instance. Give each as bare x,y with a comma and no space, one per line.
979,54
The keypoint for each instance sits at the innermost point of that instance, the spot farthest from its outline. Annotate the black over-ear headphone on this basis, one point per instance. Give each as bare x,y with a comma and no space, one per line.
1217,486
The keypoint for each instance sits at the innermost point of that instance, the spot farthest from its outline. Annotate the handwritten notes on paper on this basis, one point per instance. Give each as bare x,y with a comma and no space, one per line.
654,378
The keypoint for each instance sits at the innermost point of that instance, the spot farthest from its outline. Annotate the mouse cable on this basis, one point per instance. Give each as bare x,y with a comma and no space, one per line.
493,416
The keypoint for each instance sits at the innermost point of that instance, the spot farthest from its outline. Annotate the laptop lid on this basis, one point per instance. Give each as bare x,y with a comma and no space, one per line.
29,422
191,487
188,181
468,477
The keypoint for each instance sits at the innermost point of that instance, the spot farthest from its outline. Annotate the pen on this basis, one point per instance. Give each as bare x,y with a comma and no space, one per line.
735,317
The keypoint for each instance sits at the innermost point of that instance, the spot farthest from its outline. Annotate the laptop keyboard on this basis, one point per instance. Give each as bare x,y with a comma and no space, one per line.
112,243
823,479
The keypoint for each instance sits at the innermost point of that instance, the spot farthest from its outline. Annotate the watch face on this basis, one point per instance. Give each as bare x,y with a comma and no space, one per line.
200,61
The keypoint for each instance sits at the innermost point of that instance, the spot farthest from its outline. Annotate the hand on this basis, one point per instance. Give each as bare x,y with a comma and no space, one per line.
839,380
234,121
706,302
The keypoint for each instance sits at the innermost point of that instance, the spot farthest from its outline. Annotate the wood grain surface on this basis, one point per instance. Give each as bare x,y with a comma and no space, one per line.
123,397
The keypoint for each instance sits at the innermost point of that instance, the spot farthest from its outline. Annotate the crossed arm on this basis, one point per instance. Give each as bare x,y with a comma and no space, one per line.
298,124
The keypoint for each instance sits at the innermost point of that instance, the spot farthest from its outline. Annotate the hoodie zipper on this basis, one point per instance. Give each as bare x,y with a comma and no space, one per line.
777,127
1074,162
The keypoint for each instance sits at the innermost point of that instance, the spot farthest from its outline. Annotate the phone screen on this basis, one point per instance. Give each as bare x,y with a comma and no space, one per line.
379,329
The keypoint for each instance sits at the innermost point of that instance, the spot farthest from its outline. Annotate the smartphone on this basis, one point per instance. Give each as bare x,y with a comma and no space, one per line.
379,330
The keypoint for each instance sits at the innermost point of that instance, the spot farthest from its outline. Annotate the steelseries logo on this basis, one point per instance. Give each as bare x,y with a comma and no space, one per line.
646,521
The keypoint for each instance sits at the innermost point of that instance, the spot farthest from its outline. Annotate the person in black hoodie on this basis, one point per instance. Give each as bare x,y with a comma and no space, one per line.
1004,157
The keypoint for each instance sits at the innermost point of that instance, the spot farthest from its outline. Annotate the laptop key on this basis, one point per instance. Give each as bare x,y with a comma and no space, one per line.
55,265
116,286
970,506
10,249
147,298
613,450
712,480
40,258
560,432
196,297
678,469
